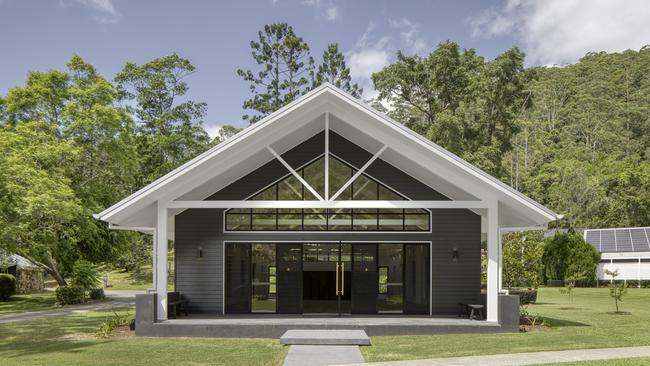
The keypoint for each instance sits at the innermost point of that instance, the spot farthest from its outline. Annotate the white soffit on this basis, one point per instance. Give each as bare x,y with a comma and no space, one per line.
303,118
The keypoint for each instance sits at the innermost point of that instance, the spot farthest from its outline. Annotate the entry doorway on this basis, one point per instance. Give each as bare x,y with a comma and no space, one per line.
326,278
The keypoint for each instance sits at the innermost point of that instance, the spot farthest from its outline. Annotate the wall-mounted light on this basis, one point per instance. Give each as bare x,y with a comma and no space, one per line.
454,255
199,252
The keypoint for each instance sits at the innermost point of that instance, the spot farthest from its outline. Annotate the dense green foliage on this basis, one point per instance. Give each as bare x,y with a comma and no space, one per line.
333,70
522,259
85,276
458,100
568,257
7,286
70,295
576,138
285,70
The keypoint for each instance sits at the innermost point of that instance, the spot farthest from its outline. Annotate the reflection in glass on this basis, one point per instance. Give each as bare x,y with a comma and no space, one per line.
390,262
363,188
263,279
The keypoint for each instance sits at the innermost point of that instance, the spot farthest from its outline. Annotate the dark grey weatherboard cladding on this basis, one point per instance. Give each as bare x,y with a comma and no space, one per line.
201,280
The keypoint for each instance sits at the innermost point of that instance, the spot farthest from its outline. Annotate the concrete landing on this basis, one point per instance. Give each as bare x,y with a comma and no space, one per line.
301,355
330,337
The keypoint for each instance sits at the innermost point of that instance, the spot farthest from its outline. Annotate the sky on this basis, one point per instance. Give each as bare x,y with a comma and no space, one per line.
215,35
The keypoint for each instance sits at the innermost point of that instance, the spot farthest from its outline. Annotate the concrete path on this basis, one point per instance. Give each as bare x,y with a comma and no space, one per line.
114,299
301,355
532,358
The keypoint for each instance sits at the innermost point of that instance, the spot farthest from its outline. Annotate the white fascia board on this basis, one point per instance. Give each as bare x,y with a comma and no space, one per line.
328,204
209,154
449,156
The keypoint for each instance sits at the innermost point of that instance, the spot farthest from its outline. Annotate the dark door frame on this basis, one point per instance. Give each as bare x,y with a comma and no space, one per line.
428,243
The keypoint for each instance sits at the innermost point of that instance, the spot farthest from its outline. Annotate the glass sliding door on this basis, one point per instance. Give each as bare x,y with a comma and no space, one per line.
326,279
289,278
416,279
263,282
391,278
365,285
238,278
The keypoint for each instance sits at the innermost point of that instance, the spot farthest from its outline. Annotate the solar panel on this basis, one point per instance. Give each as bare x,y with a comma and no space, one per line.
608,241
623,241
639,240
593,238
619,240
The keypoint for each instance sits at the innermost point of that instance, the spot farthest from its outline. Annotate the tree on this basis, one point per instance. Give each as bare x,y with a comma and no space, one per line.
169,132
616,289
38,207
522,259
567,255
226,132
458,100
65,136
333,70
285,66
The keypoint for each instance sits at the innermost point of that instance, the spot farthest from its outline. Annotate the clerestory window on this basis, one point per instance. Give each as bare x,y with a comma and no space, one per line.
363,188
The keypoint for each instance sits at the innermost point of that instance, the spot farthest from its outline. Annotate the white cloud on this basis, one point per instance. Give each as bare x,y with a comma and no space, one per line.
330,9
107,14
212,130
562,31
332,13
410,35
105,6
368,56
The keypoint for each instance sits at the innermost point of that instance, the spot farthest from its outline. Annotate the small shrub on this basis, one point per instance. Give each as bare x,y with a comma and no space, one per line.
7,286
85,275
526,296
107,327
616,289
97,294
70,295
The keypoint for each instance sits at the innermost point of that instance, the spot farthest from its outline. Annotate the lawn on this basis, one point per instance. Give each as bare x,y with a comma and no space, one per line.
28,302
70,340
641,361
118,279
583,322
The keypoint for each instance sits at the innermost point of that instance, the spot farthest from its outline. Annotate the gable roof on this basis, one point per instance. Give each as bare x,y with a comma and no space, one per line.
237,154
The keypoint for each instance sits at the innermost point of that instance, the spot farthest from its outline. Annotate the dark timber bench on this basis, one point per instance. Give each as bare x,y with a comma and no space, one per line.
471,310
176,303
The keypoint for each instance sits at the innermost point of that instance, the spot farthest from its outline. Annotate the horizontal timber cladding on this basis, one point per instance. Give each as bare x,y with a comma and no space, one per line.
200,280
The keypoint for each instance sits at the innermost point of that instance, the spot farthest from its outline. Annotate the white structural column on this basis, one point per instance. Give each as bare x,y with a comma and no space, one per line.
327,156
161,262
493,261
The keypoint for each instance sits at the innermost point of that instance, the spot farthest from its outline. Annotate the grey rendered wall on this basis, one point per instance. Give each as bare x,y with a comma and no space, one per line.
201,280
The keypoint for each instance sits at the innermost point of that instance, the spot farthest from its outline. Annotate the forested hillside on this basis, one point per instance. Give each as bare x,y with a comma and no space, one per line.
73,142
575,138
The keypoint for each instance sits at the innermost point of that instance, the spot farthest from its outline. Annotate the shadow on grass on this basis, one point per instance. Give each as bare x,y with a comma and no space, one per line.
555,322
49,335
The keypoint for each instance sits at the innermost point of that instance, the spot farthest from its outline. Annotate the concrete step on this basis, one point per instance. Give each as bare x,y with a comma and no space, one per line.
333,337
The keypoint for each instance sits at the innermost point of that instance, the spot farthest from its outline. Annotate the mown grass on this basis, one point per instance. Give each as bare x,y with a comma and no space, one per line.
584,322
70,340
641,361
28,302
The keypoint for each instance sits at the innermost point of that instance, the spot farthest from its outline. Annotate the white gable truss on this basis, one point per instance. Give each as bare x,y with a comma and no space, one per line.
327,108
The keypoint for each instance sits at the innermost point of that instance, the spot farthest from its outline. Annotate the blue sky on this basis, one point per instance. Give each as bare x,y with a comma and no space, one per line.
215,35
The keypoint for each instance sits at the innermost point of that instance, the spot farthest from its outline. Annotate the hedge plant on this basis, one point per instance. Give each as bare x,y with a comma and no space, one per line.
70,295
7,286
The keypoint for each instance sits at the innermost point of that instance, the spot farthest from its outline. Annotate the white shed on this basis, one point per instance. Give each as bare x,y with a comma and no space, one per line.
626,250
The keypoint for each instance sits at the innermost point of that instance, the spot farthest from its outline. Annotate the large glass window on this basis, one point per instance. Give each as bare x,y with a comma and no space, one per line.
363,188
263,278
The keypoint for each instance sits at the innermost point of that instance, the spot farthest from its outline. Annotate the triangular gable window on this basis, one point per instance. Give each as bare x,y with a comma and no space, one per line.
363,188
